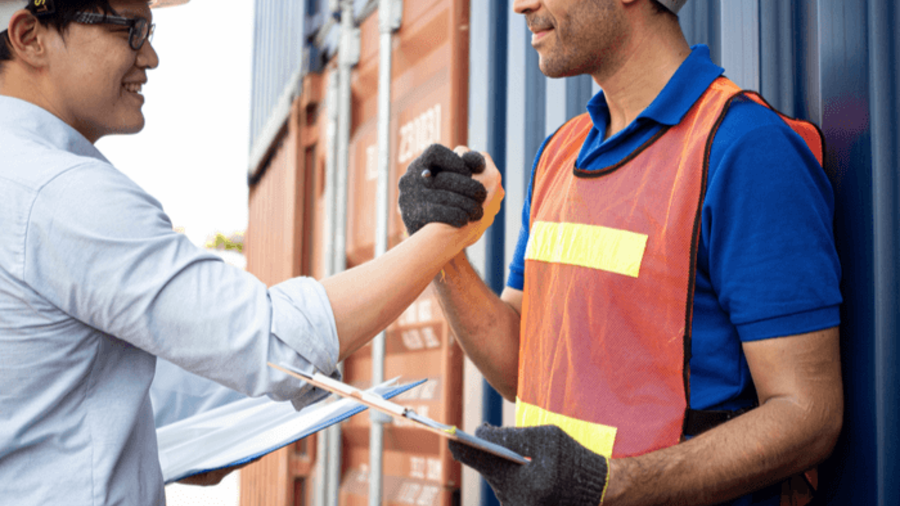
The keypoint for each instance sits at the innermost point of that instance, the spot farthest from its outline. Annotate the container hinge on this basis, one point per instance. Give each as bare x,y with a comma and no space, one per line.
394,20
349,48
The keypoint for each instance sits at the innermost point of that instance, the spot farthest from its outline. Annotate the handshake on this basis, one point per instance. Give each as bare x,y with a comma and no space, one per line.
458,188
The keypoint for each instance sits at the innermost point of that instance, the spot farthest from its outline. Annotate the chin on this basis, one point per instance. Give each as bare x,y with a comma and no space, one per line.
551,70
130,127
557,73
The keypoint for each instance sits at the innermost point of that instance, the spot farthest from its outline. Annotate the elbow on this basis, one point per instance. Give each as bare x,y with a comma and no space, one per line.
830,433
828,430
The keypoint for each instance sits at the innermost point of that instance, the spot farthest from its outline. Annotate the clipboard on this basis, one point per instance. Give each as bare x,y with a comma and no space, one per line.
243,430
401,412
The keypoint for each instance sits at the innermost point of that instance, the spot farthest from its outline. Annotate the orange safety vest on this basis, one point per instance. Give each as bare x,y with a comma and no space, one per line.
609,282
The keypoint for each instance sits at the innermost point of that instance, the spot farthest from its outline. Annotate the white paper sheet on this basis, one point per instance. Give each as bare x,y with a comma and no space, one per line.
249,428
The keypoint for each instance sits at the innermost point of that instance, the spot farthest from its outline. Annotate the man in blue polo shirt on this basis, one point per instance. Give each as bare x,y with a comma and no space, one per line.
612,228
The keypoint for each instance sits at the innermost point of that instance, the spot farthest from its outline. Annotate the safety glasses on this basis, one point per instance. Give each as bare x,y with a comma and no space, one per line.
139,29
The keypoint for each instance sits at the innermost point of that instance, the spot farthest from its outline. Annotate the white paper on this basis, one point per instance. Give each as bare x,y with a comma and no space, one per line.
243,430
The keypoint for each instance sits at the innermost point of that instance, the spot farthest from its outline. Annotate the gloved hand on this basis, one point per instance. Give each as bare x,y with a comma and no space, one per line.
561,472
438,187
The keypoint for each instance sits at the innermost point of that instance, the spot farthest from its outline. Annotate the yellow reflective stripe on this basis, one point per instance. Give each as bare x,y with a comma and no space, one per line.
592,246
596,437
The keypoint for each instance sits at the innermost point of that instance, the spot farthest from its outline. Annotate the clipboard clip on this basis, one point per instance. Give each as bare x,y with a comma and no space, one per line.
395,410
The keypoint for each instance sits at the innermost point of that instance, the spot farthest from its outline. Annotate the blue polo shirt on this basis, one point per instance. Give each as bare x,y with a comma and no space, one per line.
766,262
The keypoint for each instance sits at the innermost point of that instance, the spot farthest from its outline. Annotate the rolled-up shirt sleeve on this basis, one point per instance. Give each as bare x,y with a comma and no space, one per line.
104,252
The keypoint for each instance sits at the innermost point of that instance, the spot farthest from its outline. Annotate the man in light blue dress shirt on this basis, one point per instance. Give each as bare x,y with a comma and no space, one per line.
94,283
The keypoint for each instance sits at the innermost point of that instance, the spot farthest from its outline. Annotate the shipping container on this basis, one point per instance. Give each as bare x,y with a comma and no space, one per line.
285,202
428,88
290,218
464,72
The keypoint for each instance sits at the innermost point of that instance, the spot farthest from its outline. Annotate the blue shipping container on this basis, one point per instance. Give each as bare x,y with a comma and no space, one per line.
832,62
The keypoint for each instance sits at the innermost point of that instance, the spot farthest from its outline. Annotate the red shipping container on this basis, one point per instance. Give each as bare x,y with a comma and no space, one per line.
286,237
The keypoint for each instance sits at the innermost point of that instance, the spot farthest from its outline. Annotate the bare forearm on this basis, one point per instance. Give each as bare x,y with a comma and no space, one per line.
486,327
757,449
798,379
367,298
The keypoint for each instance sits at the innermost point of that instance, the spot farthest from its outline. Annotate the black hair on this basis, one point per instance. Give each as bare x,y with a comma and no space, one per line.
60,19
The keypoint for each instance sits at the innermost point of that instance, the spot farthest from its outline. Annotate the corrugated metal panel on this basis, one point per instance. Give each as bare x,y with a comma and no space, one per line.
489,81
832,62
428,90
278,47
835,63
429,84
291,39
262,483
279,38
884,62
283,231
858,85
429,100
740,42
700,21
273,219
843,105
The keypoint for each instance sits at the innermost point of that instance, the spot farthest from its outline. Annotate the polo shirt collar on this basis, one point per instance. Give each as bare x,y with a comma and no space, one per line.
685,87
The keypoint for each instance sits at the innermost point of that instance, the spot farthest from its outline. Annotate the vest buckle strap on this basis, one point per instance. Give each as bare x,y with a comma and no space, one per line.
698,421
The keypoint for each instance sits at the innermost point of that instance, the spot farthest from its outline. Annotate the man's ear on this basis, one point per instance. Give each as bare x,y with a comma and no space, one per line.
28,38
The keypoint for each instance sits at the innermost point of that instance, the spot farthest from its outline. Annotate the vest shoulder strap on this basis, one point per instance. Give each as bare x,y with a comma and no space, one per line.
810,133
561,143
568,138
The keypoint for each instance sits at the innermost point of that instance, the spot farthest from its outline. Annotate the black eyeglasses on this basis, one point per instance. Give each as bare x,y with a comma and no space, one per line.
139,29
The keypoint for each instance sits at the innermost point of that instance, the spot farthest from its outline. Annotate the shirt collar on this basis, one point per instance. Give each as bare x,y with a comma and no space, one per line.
24,119
685,87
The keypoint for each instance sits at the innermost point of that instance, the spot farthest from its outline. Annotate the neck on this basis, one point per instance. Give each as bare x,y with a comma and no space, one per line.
30,85
649,59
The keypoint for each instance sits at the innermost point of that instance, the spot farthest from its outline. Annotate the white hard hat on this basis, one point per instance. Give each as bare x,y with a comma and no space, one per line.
166,3
9,7
673,5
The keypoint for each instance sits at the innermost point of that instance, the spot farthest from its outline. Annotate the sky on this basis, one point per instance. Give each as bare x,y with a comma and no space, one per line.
193,152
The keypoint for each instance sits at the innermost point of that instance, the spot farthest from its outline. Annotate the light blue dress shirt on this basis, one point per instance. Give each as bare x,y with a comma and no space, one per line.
177,394
94,285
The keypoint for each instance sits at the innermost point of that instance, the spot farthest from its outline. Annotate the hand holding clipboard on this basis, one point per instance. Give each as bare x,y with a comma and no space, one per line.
401,412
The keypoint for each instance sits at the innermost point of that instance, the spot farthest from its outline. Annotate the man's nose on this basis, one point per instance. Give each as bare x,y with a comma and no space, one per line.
526,6
147,57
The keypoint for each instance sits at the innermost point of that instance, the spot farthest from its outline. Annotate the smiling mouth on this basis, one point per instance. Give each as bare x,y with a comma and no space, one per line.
540,34
133,87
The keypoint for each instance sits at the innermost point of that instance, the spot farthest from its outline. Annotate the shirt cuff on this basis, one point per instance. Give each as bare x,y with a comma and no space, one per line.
791,325
302,319
313,394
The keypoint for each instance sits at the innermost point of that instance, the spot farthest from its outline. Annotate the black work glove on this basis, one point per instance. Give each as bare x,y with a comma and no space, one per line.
438,186
561,472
